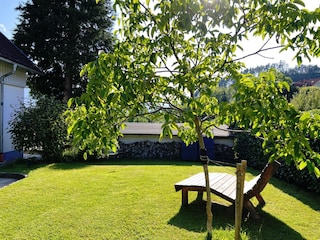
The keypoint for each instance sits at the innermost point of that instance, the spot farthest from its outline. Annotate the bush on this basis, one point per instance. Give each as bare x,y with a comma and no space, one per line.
40,127
249,148
308,98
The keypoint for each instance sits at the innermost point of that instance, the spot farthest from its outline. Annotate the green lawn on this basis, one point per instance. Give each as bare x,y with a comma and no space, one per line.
136,200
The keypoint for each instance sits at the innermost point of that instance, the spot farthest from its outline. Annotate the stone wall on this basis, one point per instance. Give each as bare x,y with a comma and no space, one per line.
152,150
167,150
224,153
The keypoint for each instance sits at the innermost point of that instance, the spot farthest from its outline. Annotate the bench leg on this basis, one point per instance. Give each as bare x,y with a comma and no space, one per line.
184,197
200,196
261,200
253,213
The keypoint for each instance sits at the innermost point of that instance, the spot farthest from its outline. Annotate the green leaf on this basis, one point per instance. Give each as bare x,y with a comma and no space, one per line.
286,85
70,101
305,116
114,148
317,172
302,165
299,60
153,58
300,2
166,131
248,82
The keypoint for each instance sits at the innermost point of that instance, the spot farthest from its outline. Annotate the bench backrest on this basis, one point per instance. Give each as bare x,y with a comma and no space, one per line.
262,180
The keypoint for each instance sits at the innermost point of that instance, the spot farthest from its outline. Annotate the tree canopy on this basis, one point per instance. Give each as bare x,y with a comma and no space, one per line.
308,98
61,36
170,58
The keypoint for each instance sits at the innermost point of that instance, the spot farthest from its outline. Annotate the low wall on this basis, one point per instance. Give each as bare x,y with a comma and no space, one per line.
167,150
224,153
147,149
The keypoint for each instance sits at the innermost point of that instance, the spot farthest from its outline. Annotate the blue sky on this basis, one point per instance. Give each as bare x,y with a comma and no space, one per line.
9,20
9,16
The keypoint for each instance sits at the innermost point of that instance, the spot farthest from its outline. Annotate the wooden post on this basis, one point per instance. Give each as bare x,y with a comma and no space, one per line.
241,171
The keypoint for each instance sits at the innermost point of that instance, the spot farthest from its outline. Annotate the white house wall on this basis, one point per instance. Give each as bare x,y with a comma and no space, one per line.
13,95
18,79
127,139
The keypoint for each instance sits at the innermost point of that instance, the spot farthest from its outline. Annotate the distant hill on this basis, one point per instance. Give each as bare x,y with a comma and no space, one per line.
304,72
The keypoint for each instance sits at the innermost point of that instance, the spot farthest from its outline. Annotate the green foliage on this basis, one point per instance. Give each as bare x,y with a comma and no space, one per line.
170,58
301,178
285,132
308,98
279,70
223,94
249,148
40,127
62,36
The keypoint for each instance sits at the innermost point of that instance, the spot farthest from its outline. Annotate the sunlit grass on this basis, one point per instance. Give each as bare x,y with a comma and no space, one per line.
137,200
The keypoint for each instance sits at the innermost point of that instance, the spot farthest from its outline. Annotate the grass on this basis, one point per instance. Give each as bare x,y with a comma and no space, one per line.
136,200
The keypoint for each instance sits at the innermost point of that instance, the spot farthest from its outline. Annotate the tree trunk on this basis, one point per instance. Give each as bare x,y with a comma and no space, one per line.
67,85
68,61
204,157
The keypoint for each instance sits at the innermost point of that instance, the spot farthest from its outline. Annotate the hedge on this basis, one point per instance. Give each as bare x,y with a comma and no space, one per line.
249,148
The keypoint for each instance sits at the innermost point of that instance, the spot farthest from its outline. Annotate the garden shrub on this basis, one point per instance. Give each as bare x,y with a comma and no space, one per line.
40,128
249,148
308,98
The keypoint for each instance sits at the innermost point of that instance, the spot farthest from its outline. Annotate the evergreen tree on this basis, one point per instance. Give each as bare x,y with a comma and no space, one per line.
281,66
297,73
61,36
304,72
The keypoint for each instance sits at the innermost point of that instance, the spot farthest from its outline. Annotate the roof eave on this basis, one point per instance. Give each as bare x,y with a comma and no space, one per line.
32,70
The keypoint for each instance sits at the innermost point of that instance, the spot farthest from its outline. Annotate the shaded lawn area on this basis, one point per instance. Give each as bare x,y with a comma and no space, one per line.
132,199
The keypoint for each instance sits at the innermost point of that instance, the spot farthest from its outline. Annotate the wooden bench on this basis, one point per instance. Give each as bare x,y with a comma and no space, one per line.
224,185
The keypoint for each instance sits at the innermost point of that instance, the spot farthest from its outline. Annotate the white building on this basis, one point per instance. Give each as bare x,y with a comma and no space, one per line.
14,65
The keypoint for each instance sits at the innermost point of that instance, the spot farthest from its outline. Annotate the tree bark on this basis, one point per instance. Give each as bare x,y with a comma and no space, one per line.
68,61
67,85
204,157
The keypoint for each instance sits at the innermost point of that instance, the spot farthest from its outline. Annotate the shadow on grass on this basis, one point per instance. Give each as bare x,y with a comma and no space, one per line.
193,218
307,198
122,162
20,168
24,167
128,161
68,166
